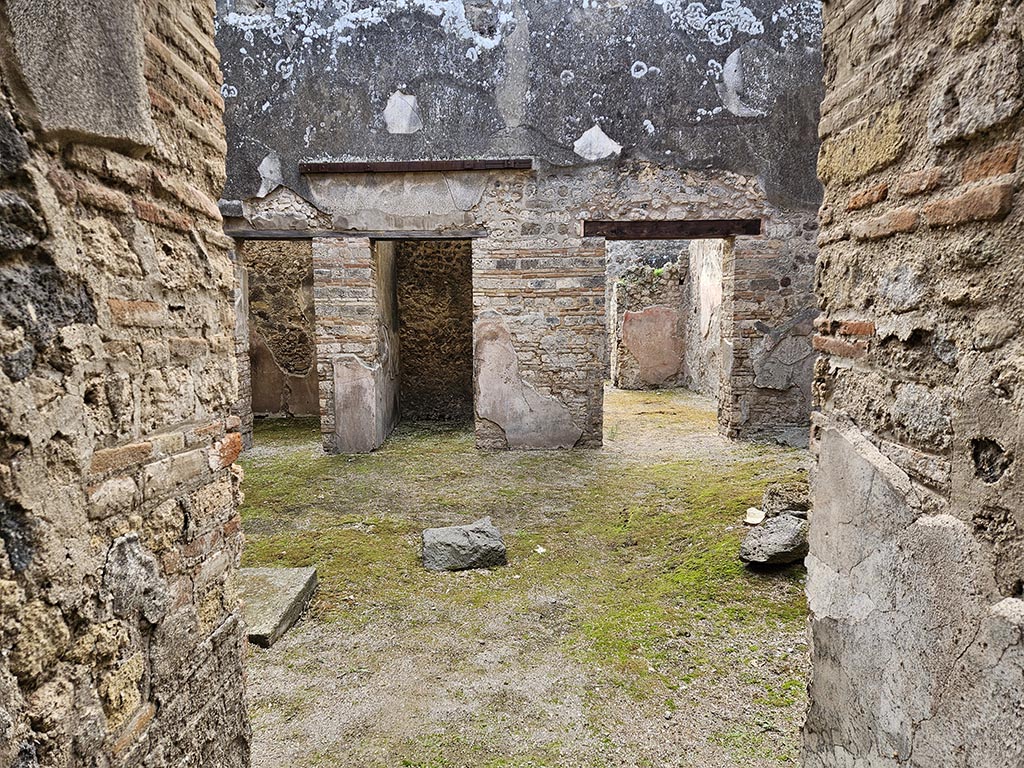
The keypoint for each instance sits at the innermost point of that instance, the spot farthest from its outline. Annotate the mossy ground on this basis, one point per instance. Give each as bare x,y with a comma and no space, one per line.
624,631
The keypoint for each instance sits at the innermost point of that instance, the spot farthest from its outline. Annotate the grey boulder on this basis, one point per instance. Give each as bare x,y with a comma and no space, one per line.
776,541
477,545
792,498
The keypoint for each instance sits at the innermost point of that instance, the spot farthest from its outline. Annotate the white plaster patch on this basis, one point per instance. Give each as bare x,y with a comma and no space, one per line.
270,174
335,22
731,86
595,144
402,114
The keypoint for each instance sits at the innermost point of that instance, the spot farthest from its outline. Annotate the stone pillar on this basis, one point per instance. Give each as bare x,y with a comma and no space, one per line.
243,405
357,349
768,308
917,539
539,345
120,628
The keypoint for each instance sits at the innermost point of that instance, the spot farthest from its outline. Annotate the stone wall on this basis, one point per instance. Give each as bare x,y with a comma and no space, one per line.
357,342
642,110
917,552
435,310
648,316
533,271
702,324
120,630
282,344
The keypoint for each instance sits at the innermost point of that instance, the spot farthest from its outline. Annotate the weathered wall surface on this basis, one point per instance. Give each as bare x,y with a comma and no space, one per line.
647,317
282,340
119,627
702,324
539,276
435,311
638,110
917,552
422,79
357,342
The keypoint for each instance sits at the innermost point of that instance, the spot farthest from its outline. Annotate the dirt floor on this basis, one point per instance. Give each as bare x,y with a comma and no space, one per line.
623,632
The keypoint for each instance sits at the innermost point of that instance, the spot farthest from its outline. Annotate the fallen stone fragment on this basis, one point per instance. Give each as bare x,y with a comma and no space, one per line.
754,516
460,547
777,541
780,498
273,599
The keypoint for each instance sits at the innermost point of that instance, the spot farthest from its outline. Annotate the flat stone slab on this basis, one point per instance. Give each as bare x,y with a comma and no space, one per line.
273,599
460,547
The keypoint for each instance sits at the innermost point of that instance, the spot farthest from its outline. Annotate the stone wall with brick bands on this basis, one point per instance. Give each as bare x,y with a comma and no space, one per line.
118,491
536,282
917,542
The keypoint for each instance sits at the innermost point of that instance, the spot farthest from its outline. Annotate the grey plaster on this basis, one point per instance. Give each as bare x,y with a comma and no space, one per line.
81,63
528,418
733,85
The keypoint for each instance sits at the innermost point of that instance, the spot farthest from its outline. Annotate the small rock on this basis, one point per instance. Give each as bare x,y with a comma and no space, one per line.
754,516
782,497
477,545
777,541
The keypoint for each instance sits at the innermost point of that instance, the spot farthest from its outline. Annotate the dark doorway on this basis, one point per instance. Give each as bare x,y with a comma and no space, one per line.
435,312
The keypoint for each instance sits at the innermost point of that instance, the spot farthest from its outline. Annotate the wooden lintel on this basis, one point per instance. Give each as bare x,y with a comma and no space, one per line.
680,229
419,166
310,234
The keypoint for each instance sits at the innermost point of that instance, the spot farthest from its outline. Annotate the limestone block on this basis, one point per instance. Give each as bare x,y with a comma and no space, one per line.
776,541
82,61
273,599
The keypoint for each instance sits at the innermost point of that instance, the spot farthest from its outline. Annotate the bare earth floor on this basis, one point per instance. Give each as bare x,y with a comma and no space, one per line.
624,631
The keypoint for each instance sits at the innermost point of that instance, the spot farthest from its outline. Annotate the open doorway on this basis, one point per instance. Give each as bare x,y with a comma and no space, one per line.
665,314
434,289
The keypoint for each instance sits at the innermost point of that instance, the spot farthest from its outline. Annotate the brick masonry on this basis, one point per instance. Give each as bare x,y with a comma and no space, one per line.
916,553
119,624
547,284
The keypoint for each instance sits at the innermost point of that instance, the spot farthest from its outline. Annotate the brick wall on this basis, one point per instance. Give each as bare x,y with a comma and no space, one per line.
356,342
120,628
917,552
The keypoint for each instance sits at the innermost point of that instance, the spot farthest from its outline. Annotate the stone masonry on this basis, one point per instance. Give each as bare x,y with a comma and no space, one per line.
917,542
435,311
647,319
696,113
357,342
282,339
119,625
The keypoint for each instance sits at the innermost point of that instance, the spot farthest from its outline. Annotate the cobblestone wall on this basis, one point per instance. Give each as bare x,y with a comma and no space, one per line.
282,344
917,553
118,623
435,310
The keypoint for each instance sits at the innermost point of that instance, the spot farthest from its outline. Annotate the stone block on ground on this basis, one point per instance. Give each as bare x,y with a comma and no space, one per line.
793,497
273,599
460,547
777,541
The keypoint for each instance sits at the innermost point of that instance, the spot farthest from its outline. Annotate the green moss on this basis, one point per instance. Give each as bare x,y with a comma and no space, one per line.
644,554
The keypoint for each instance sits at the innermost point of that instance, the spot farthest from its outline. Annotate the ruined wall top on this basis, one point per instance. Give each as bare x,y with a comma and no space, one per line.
733,85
